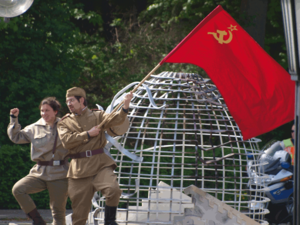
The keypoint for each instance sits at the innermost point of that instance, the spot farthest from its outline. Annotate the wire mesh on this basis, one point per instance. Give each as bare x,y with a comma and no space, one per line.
193,140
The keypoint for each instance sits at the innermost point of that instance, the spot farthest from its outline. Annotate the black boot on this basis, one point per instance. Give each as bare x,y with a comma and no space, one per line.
36,217
110,215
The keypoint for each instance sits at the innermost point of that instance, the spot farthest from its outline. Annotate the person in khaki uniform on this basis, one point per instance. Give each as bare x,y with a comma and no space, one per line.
50,169
90,169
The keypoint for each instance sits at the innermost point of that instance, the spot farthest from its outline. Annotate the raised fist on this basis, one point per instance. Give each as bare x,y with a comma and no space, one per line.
15,112
127,100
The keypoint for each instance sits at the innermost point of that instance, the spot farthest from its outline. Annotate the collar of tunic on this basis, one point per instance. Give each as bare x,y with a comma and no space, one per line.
42,122
83,112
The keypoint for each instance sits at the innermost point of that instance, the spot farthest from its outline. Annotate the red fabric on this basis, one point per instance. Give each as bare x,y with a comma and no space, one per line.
259,93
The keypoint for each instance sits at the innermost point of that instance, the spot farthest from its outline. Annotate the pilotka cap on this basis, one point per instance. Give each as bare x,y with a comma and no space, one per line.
75,91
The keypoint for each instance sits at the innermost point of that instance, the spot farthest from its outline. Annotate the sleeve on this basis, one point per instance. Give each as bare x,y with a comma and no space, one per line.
69,138
17,135
114,119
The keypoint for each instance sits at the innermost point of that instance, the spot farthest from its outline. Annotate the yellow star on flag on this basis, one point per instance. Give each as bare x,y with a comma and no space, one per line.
232,27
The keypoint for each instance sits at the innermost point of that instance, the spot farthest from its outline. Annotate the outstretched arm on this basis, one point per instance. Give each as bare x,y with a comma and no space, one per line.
14,131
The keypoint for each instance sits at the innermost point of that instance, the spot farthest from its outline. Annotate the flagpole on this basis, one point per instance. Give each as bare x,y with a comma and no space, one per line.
291,22
121,103
146,77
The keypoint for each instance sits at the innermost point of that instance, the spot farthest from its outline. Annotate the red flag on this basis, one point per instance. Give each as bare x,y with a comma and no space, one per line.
259,93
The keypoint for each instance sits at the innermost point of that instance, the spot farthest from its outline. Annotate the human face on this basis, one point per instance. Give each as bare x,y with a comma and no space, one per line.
293,132
48,114
73,104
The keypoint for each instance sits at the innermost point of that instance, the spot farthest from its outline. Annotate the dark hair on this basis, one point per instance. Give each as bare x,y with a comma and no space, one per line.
52,102
84,102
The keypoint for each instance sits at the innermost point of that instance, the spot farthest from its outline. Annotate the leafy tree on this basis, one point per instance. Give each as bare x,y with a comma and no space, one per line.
274,38
254,13
37,59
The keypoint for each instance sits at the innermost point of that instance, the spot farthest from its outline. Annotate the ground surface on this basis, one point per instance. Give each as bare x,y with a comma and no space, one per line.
19,217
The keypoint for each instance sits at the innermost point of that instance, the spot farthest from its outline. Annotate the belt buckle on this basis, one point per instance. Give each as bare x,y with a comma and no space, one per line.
88,155
56,163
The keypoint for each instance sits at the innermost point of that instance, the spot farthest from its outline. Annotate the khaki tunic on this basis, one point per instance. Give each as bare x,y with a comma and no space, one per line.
72,131
42,137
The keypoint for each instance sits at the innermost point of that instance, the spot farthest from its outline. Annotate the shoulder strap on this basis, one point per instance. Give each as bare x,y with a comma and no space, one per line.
67,115
54,146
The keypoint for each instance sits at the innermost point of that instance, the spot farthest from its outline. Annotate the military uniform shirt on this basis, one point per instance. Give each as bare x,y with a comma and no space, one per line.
73,134
42,137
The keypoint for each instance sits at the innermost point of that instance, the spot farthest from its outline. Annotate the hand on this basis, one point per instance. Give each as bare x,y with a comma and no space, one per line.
94,131
15,112
127,99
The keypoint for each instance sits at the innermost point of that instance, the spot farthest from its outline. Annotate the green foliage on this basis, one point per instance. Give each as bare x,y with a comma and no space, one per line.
100,75
37,59
274,38
165,12
16,164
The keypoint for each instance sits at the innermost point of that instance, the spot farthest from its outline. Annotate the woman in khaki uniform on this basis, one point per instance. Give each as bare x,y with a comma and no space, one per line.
50,169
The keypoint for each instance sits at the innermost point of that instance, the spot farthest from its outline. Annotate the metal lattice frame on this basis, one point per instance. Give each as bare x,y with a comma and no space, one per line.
193,140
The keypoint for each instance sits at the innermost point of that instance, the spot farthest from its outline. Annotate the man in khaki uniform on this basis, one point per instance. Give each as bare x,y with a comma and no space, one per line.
90,168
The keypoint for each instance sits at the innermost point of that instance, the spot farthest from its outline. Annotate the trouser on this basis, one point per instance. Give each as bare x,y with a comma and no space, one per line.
81,192
58,193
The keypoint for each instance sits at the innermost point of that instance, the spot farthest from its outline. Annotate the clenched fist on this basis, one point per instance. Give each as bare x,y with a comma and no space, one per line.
94,131
15,112
127,100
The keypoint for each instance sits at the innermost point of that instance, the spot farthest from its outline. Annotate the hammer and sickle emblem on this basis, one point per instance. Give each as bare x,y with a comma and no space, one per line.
220,38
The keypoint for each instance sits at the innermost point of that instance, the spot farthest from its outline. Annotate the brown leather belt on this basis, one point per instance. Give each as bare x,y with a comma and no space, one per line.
51,163
86,154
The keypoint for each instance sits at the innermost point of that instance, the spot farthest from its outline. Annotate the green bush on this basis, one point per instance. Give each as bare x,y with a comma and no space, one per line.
16,164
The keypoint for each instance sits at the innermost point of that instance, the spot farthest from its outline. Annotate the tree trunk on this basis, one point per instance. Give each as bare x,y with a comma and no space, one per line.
253,16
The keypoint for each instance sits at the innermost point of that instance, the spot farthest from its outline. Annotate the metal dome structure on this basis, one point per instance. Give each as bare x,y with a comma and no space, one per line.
190,138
